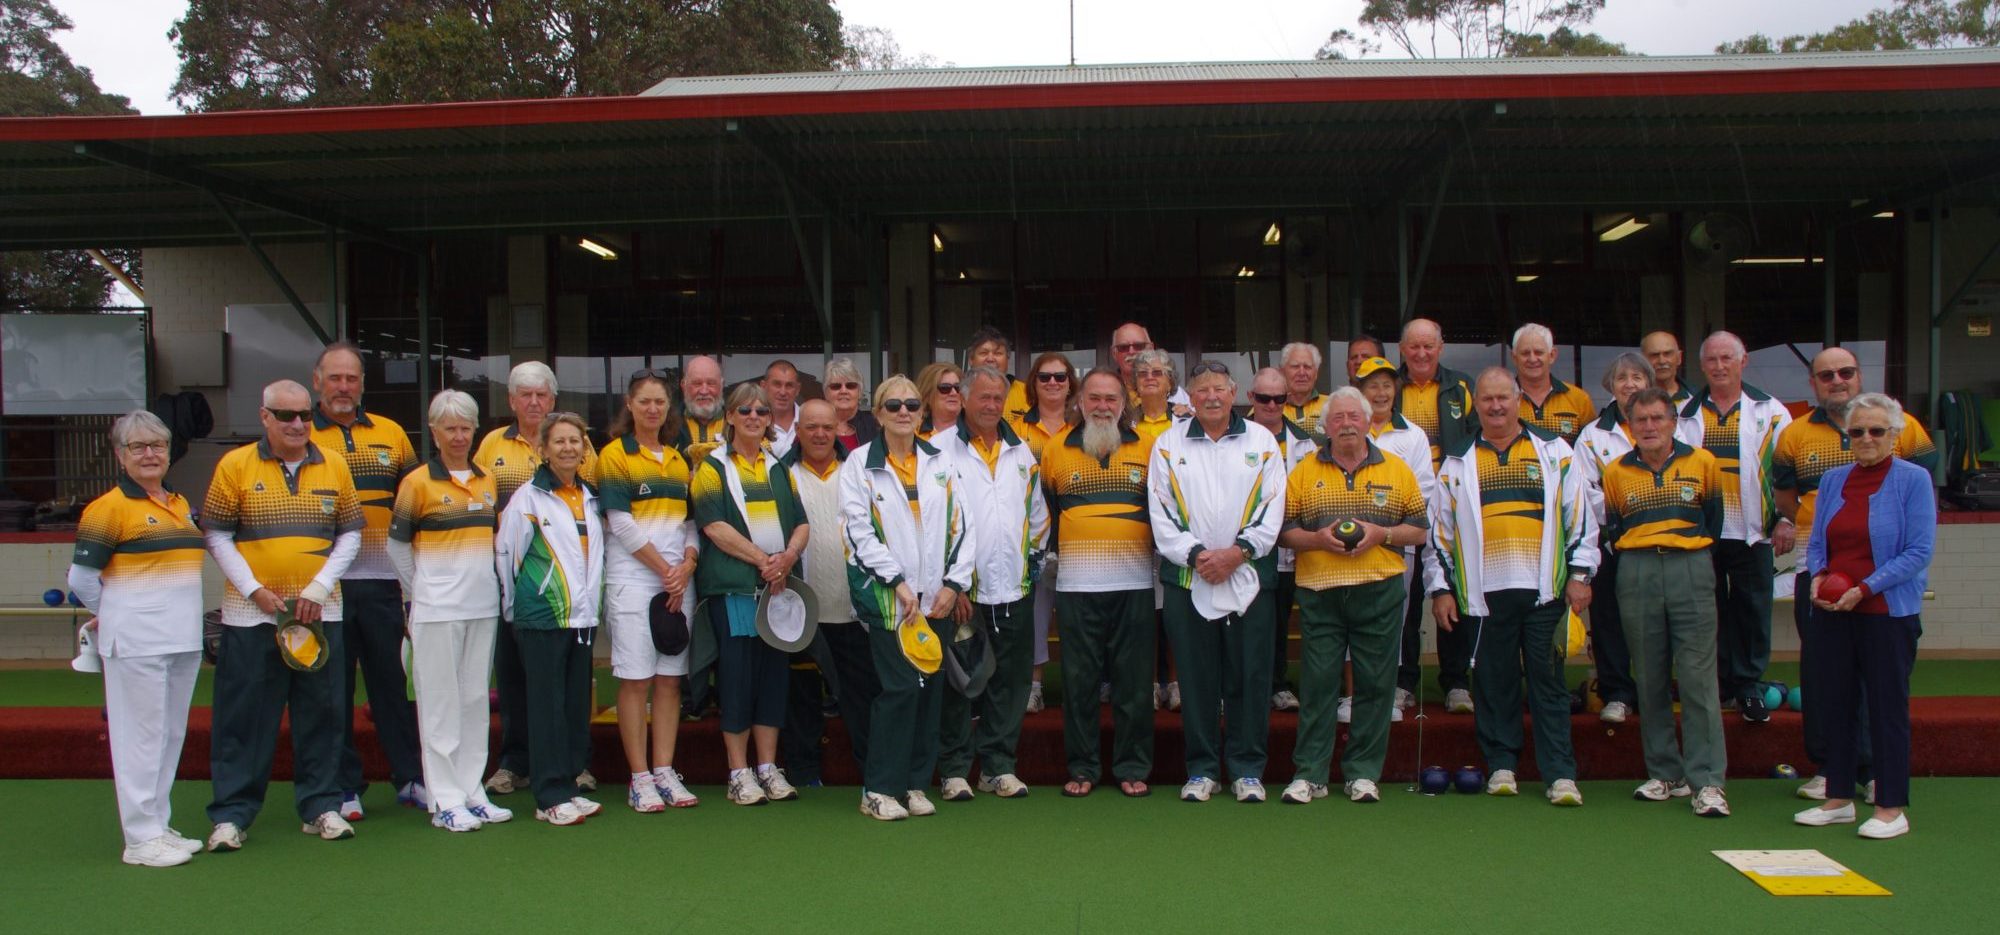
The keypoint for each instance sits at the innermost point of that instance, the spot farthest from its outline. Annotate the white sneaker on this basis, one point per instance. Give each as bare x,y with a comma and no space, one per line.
225,837
329,826
1881,830
1395,715
158,852
1173,696
919,804
672,789
1814,789
505,781
955,789
1005,785
744,790
1405,698
1565,792
562,815
1343,713
350,807
1199,788
1615,713
456,819
1248,790
776,786
1458,701
1301,792
643,796
1709,803
1034,697
183,842
1363,791
1285,701
584,807
490,814
1818,817
1659,790
414,794
1502,783
882,808
585,782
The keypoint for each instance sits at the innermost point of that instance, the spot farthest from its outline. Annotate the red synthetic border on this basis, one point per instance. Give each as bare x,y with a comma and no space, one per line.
1727,82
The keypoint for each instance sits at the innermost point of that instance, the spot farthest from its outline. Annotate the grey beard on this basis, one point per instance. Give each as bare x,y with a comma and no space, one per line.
1837,412
704,413
1100,439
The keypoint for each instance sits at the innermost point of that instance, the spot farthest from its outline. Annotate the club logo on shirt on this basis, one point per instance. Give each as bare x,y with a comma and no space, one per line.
1457,410
1381,498
1687,493
939,477
1250,459
1075,476
447,499
152,521
1632,499
382,458
1535,471
645,490
1132,475
1812,458
500,462
1567,426
326,505
258,487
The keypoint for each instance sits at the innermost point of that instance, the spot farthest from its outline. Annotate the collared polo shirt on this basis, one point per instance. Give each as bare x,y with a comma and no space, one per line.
284,524
1103,530
653,489
449,526
1812,446
1512,505
512,460
148,556
1678,507
1320,493
1565,411
378,454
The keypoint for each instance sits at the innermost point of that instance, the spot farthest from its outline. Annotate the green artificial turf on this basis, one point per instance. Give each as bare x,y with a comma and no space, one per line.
1453,863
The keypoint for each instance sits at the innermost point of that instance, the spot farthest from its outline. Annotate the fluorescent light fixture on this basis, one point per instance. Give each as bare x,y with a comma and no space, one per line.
1527,277
1245,272
1775,261
1623,229
597,248
1885,214
937,243
1273,236
961,274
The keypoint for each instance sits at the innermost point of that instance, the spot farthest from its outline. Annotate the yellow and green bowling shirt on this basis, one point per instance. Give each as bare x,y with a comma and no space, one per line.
378,454
1103,530
512,459
1564,412
1320,493
1812,446
1677,507
148,558
284,523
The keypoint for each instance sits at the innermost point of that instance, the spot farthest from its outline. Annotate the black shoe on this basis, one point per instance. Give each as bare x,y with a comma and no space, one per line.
1753,709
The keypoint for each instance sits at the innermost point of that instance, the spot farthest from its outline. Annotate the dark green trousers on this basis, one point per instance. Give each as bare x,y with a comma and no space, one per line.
1108,636
555,665
1001,706
1516,638
1225,677
903,720
253,691
1364,621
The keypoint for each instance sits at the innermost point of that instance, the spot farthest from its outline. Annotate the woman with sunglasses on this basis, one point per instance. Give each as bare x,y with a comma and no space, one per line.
1154,378
1875,525
938,384
643,484
1054,410
754,531
853,427
910,547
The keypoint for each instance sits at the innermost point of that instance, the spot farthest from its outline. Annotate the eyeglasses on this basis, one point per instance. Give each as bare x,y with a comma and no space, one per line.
850,385
289,415
758,411
1208,366
1154,372
139,448
1053,376
1132,347
898,405
1268,399
947,388
1839,373
1873,431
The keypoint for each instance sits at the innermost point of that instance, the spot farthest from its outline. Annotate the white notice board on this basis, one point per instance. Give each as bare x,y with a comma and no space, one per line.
71,364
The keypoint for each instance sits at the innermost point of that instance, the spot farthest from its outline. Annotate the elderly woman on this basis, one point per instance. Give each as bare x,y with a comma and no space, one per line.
550,557
1054,393
754,531
910,542
939,385
441,544
1154,379
852,427
1603,440
138,568
1875,526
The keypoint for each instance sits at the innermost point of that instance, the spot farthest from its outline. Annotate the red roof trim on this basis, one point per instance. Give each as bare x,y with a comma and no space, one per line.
1838,80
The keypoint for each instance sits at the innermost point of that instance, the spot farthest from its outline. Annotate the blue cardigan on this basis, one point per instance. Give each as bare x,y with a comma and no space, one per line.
1902,527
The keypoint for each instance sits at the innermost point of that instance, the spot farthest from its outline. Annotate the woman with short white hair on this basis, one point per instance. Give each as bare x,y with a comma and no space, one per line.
137,566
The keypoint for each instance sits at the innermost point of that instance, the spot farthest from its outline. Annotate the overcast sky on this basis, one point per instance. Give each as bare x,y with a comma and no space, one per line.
124,42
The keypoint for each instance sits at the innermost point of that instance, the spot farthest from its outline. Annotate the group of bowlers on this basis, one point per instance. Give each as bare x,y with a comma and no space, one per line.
1500,502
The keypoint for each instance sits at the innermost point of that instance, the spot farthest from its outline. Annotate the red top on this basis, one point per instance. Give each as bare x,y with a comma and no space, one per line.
1848,548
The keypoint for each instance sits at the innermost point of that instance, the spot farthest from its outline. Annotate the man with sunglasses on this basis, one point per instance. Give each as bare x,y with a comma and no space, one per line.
781,383
1807,449
378,453
1127,341
991,348
1267,408
283,523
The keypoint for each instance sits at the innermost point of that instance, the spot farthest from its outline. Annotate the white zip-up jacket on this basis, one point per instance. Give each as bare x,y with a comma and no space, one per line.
1761,419
886,543
1409,443
548,579
1218,493
1604,440
1457,555
1296,445
1010,514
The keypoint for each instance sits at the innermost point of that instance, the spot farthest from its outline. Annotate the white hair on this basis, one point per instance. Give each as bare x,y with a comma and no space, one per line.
1154,357
272,390
1301,347
531,375
1532,330
453,404
1727,338
1882,403
984,373
136,423
1348,394
842,370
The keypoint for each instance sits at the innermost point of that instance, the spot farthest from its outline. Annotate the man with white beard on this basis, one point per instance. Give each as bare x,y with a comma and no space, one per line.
701,408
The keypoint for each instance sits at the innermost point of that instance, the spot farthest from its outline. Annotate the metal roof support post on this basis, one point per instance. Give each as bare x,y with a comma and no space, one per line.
1402,261
1356,273
826,291
270,268
333,279
873,260
1430,234
424,347
1831,336
1937,303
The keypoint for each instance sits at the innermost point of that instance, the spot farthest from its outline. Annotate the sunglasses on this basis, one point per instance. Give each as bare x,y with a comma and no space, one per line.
1131,348
898,405
948,388
289,415
1873,431
647,373
1842,373
1053,376
843,386
1208,366
758,411
1268,399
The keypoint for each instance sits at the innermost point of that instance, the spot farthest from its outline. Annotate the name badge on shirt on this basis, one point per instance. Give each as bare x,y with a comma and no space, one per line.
474,506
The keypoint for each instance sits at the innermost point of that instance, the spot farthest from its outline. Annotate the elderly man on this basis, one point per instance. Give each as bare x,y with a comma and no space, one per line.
1438,400
991,348
1303,400
1267,408
1547,403
1216,491
1350,591
1096,472
1002,484
839,657
377,453
1360,348
1127,340
509,454
701,421
781,383
1807,449
1739,424
283,523
1662,512
1663,351
1512,543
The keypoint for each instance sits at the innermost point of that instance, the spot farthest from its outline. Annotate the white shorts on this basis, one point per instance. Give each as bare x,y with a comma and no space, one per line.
632,652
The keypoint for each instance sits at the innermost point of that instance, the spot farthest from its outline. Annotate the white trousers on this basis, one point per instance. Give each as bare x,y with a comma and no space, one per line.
452,662
146,704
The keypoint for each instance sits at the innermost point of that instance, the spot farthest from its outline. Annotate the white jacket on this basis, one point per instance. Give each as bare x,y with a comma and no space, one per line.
1456,558
1214,494
1761,418
885,544
1409,443
1604,440
548,580
1296,445
1009,512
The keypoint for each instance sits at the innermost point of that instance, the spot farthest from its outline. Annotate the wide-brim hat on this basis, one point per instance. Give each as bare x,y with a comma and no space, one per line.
86,659
968,660
921,646
788,619
302,646
669,627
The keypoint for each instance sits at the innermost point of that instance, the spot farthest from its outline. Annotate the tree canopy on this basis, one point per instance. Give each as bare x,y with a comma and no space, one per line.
1909,24
1474,29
